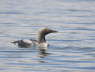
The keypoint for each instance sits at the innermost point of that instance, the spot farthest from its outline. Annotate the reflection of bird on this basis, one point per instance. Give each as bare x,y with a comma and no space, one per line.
41,42
43,53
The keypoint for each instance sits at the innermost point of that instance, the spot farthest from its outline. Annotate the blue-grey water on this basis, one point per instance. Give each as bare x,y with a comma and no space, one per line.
72,49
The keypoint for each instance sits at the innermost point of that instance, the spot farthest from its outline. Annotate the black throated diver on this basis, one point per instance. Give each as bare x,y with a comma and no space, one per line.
41,42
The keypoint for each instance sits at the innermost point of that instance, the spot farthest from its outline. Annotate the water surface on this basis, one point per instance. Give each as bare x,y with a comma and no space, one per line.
71,50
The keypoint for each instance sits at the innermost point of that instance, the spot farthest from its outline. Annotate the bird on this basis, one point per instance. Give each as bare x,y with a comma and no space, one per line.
41,42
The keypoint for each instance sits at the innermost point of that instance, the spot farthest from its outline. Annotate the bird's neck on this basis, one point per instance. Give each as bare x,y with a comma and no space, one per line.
41,37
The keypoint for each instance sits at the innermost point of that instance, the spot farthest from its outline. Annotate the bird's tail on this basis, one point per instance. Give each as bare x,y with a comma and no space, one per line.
14,42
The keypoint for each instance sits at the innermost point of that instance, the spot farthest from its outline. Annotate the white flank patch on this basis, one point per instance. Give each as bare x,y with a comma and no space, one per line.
27,41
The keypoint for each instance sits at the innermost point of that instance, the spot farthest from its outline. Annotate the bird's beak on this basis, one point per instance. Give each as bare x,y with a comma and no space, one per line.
54,31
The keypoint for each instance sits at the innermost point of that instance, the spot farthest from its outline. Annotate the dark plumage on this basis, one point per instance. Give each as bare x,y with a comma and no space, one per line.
41,42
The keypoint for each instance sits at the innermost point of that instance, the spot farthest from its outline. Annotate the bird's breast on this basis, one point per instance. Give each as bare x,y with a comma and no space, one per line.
43,45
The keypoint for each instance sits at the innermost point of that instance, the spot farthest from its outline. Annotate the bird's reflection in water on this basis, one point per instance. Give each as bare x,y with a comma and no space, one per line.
43,53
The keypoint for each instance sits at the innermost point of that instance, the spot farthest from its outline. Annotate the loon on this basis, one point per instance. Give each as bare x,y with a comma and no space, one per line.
41,42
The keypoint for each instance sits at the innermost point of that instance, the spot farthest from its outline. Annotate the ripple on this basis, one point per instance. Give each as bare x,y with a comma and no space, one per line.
11,12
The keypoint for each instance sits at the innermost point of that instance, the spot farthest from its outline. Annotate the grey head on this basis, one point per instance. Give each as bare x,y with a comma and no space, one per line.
43,33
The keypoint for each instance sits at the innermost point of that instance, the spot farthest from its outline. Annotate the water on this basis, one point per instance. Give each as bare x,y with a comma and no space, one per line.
71,50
